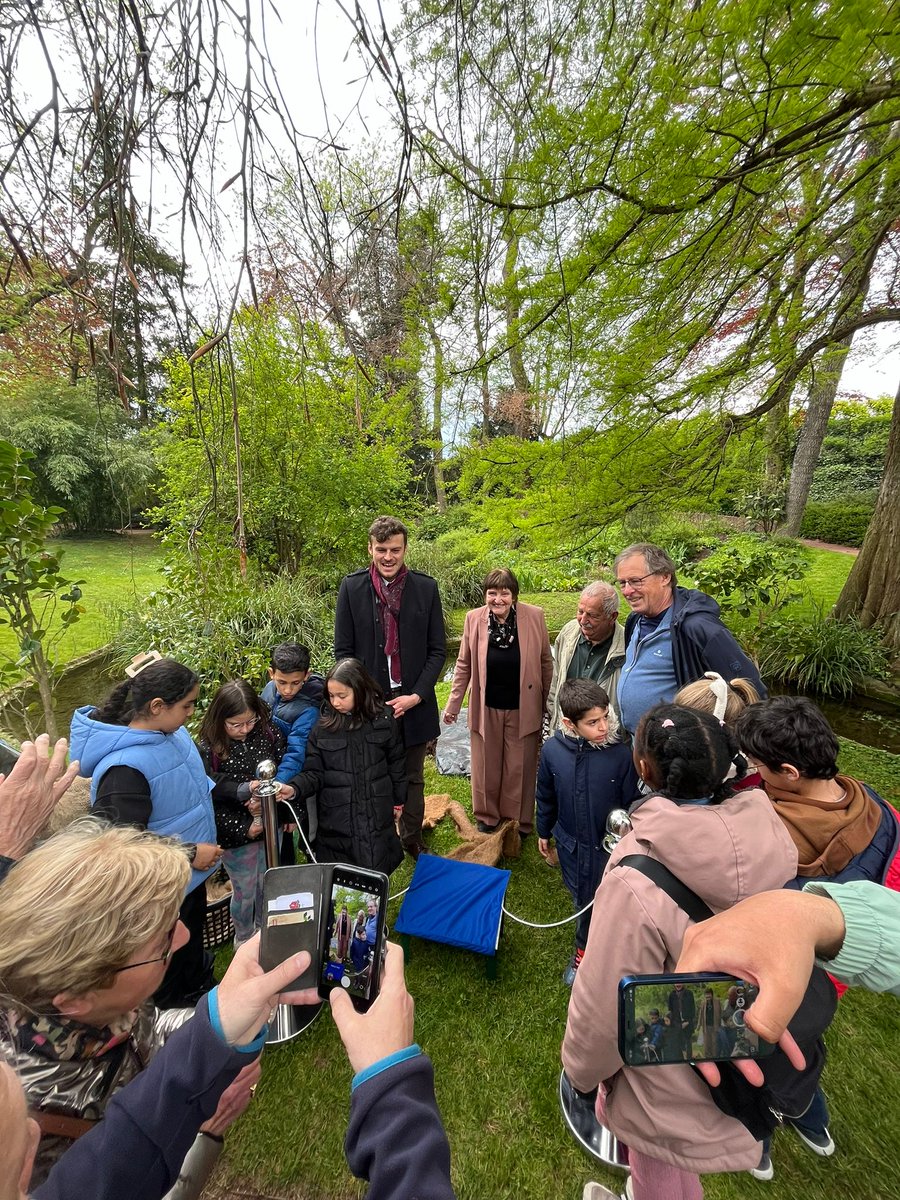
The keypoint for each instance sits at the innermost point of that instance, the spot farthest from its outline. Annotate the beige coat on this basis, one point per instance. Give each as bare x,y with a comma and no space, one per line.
563,649
724,853
535,671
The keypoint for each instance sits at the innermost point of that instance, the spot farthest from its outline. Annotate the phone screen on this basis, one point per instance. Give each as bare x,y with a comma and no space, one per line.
686,1018
354,934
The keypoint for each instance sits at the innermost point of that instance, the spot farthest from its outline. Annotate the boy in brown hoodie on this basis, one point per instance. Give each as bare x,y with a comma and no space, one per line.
842,829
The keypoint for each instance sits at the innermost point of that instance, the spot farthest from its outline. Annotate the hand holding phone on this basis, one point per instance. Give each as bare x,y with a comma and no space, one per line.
387,1026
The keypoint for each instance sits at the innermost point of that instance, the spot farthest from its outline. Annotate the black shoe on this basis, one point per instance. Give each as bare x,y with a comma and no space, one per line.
484,828
414,849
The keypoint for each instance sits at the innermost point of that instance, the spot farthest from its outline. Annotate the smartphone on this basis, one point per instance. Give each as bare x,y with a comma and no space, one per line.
686,1018
353,934
9,756
292,904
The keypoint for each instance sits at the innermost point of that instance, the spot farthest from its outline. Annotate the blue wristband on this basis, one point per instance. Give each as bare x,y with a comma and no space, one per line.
383,1064
212,1001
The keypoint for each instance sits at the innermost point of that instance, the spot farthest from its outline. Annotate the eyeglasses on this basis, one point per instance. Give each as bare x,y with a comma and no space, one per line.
635,583
237,726
163,958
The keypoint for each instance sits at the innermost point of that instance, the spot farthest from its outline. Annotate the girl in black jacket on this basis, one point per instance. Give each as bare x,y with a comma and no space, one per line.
356,766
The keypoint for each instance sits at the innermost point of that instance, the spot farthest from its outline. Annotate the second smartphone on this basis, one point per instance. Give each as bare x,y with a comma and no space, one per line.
686,1018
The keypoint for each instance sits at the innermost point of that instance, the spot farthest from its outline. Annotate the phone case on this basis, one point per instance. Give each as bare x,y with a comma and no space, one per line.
284,892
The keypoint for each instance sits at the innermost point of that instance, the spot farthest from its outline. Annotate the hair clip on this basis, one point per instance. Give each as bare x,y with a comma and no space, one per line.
668,723
719,688
140,661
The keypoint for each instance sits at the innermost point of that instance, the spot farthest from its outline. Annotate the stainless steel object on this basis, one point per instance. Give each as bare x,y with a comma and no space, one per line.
288,1020
618,823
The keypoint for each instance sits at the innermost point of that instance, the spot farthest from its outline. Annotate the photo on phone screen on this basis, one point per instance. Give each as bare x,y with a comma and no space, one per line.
354,934
686,1018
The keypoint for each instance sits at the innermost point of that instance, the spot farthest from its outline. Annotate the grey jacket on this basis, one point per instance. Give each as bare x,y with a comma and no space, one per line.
563,649
83,1088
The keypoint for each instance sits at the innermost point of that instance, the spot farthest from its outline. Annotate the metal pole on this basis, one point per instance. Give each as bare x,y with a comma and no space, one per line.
288,1020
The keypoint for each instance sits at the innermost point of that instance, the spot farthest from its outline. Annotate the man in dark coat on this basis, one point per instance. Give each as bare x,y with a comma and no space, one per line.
390,618
684,1015
673,636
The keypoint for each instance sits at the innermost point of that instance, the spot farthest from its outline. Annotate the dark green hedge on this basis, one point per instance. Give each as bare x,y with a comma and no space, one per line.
842,524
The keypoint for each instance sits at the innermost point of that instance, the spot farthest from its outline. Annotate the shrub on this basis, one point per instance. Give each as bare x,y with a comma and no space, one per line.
459,579
817,653
227,630
685,536
752,572
841,523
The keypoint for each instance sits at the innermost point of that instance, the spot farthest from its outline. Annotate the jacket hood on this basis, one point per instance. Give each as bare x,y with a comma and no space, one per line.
314,688
91,741
723,852
690,602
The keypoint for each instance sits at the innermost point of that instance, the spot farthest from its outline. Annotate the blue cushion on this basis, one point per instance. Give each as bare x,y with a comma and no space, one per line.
458,903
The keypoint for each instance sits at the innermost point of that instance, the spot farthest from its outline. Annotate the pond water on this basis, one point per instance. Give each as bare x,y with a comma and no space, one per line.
862,720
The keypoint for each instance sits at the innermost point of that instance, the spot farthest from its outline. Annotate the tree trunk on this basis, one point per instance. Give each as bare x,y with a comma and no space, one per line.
484,383
777,444
812,433
43,679
513,302
437,421
872,591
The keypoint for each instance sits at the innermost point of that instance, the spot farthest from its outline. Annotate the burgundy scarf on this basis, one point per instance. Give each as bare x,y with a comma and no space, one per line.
390,597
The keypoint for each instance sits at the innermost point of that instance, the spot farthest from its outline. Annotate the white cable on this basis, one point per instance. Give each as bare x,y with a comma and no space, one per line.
306,844
397,895
552,924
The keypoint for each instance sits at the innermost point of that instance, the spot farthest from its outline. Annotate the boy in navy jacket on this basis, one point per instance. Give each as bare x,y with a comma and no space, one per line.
580,781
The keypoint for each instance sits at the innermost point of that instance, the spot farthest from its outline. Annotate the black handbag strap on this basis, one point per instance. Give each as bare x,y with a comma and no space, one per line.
686,900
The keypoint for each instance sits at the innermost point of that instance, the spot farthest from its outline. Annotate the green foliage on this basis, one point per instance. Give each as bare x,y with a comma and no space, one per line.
817,653
322,453
851,462
837,521
223,626
686,536
88,455
754,573
765,505
32,588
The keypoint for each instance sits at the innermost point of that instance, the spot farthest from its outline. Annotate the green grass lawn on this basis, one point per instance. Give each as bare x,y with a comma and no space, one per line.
115,571
495,1046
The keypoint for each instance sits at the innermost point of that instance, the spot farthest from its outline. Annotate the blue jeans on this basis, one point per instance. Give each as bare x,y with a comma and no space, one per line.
814,1120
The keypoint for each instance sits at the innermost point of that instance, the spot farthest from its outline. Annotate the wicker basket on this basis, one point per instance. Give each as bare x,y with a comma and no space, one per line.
218,929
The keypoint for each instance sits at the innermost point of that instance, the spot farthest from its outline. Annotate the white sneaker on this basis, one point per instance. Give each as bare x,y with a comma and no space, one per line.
765,1171
819,1143
596,1191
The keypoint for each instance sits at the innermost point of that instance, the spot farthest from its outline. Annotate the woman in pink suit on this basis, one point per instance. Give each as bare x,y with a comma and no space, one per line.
505,664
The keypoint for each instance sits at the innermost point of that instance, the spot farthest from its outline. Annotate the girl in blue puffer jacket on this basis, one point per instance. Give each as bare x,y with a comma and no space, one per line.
146,771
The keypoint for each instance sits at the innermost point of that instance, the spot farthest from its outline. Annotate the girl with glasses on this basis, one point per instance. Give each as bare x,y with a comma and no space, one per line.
237,734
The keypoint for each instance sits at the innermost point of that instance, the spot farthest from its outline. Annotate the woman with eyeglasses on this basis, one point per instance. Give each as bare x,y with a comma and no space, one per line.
76,978
146,771
237,734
